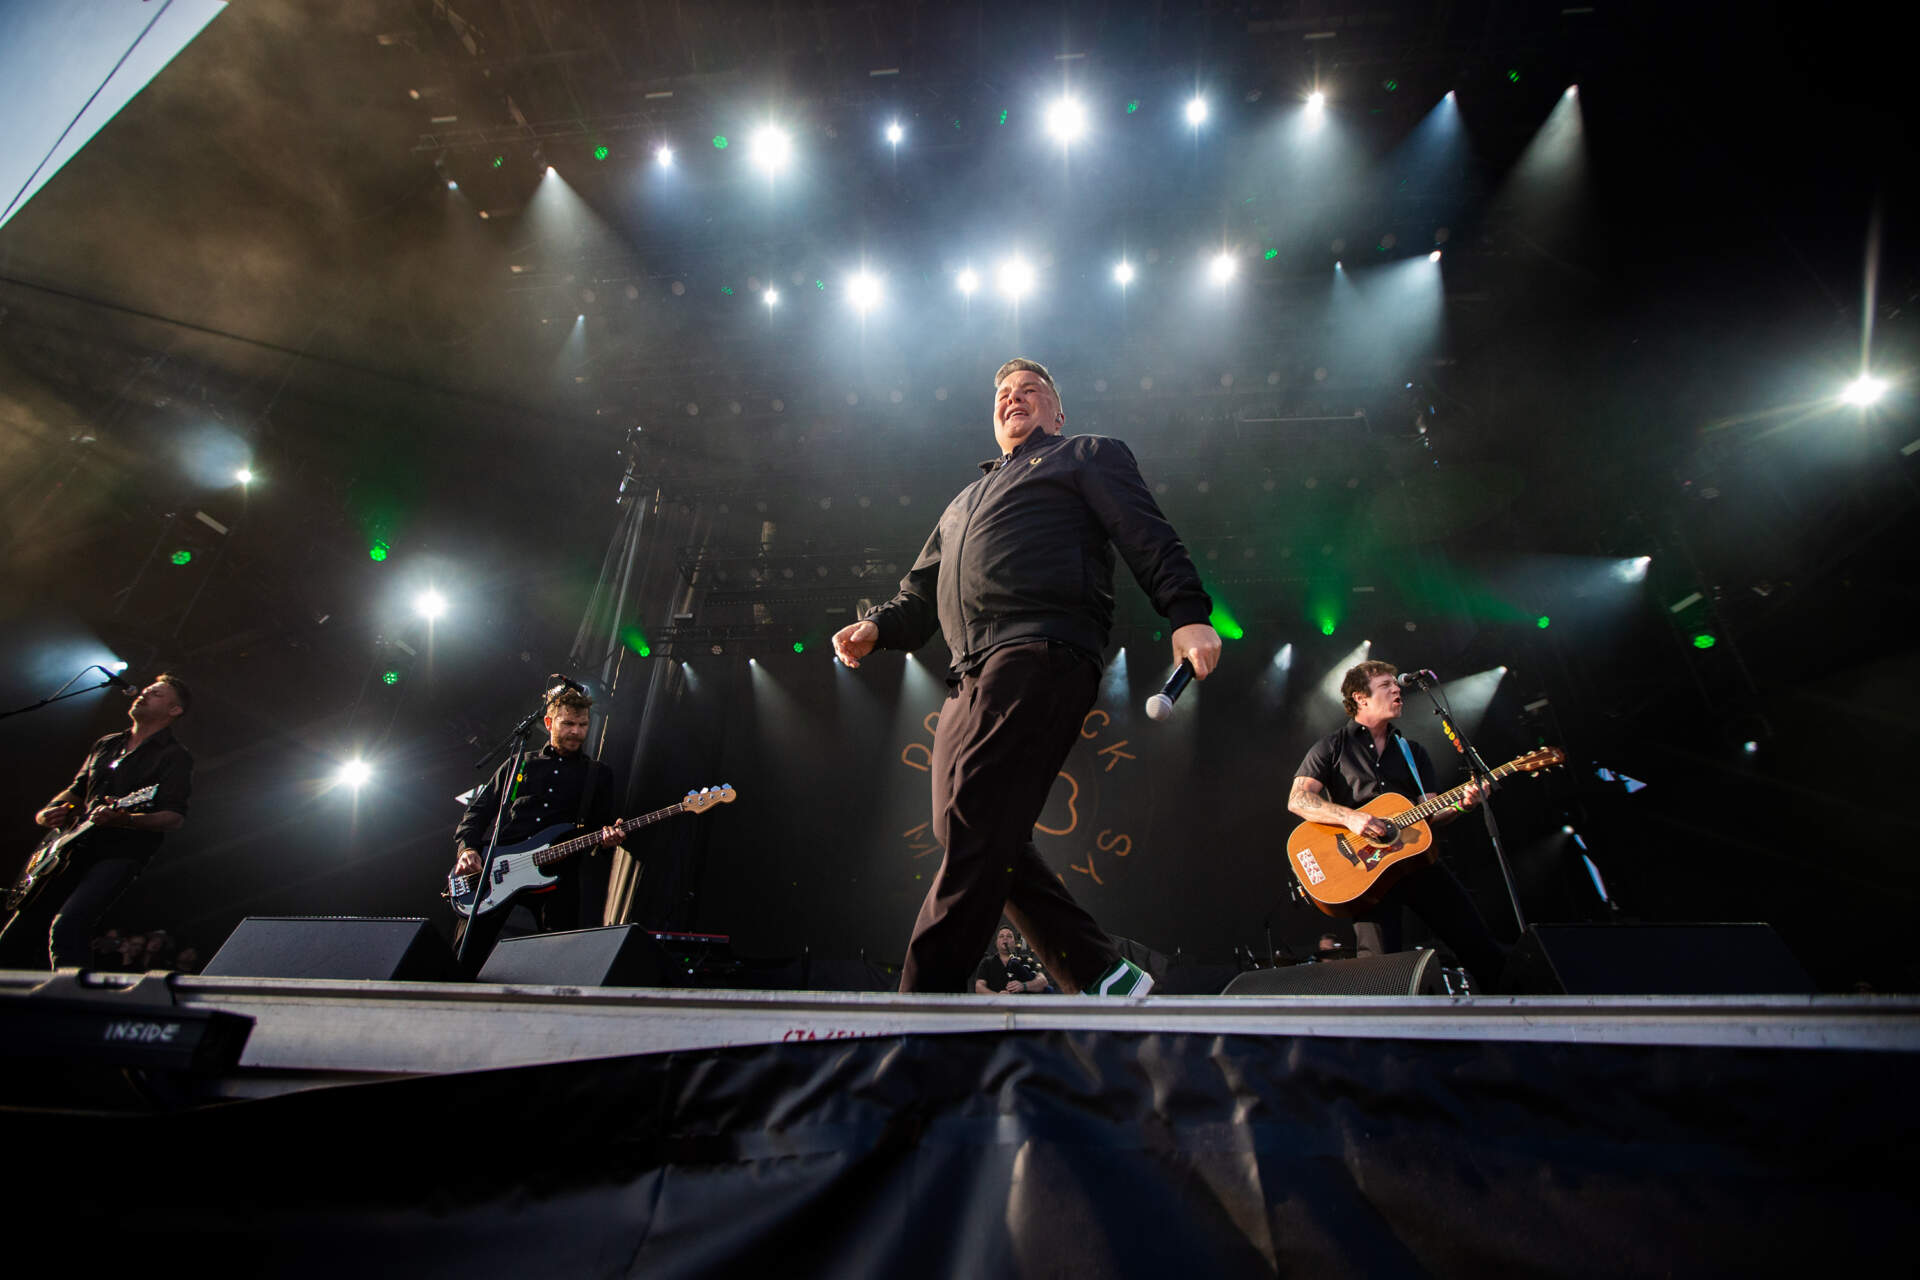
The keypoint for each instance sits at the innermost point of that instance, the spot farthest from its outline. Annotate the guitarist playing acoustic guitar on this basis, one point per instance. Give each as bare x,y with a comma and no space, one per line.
1367,758
132,789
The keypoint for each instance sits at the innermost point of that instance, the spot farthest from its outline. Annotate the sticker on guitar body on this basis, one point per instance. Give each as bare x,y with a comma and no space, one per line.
1311,865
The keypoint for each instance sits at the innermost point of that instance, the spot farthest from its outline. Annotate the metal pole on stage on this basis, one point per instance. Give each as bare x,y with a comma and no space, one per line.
1484,776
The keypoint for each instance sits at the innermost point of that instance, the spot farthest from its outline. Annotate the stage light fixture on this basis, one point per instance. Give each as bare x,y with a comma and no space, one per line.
663,156
452,185
771,296
1316,103
549,171
1221,268
430,604
354,773
1864,390
117,667
498,161
895,133
1543,622
1014,278
1633,570
799,646
378,551
772,149
1434,256
1123,274
182,556
244,475
600,152
968,280
389,677
1704,640
1196,111
1066,120
864,292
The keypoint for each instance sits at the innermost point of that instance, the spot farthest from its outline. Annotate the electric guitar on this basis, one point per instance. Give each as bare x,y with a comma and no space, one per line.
48,860
517,868
1340,870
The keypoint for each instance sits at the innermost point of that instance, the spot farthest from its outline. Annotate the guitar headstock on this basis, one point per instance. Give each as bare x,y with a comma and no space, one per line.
707,797
141,796
1540,758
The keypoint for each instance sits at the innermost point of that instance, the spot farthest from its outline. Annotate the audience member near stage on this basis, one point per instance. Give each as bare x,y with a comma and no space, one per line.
1008,969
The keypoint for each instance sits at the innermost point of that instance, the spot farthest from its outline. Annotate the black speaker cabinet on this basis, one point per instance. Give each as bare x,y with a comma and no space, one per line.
622,955
333,947
1654,959
1402,973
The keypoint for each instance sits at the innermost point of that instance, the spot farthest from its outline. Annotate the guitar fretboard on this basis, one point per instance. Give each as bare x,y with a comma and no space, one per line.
579,844
1447,799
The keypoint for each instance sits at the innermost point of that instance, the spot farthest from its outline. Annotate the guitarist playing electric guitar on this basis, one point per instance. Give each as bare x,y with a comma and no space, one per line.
559,783
1366,758
62,892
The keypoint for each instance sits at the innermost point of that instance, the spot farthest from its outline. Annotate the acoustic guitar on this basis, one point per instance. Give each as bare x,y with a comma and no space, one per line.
1342,872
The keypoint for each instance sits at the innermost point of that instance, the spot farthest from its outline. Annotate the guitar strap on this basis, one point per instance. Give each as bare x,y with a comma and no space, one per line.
1412,768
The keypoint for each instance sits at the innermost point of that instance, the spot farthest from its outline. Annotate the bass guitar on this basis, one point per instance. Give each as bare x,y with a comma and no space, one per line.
517,868
1341,871
54,850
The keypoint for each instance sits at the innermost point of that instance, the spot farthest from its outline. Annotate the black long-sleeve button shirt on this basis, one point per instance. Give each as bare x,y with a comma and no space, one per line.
111,771
553,788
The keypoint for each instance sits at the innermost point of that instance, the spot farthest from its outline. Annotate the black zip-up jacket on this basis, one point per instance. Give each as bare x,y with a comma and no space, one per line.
1026,552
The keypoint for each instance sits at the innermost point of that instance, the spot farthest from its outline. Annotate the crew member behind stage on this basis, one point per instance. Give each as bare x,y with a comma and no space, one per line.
559,783
1018,574
1364,759
1007,970
59,923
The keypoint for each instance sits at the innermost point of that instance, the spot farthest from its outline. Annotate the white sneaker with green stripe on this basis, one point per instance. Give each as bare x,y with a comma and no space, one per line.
1125,979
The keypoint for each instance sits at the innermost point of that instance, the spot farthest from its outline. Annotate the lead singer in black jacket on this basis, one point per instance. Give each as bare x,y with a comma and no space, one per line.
1018,574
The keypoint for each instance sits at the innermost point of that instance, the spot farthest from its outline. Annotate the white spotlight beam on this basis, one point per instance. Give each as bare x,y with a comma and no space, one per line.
1329,685
863,291
1066,121
1864,390
1014,278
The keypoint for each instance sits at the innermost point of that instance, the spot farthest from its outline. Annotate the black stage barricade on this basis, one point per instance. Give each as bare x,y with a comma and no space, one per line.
1033,1154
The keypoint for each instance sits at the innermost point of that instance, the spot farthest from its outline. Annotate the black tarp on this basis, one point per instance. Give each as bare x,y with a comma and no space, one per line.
1025,1155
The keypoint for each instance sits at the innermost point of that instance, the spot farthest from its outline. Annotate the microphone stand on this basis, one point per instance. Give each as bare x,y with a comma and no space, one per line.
513,746
62,694
1484,776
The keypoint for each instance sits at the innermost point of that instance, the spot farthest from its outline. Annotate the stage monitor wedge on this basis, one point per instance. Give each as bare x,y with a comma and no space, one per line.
404,949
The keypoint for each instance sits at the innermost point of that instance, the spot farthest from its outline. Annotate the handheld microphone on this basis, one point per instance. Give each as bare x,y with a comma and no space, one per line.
1416,679
1160,705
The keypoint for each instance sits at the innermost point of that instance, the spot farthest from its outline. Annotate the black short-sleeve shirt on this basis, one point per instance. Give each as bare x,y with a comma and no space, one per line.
1344,763
111,771
997,974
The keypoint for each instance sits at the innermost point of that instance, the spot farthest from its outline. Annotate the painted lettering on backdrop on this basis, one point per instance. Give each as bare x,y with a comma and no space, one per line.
1085,820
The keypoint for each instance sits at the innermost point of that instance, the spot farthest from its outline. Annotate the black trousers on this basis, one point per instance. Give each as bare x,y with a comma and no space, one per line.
1004,732
1433,894
58,925
556,909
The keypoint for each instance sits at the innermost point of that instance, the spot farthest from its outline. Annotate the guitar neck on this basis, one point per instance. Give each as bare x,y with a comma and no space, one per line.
580,844
1446,799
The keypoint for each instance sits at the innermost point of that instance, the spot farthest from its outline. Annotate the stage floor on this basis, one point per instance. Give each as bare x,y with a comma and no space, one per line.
307,1034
